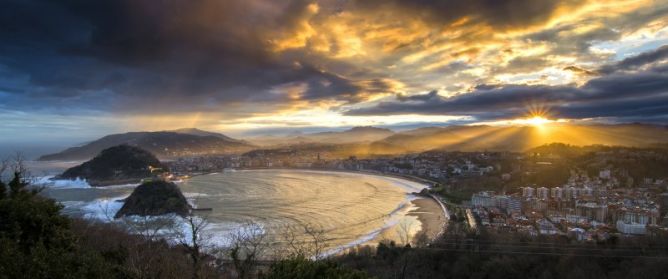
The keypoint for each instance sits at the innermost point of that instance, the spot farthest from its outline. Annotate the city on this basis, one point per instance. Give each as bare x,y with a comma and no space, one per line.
583,208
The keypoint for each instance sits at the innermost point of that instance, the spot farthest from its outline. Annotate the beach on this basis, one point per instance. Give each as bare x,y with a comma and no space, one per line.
430,215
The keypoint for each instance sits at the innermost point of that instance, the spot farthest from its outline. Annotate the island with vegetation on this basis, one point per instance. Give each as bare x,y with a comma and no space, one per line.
155,198
122,164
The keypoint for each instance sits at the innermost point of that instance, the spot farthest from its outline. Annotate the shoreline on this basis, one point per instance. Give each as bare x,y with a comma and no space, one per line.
432,214
425,209
431,217
427,182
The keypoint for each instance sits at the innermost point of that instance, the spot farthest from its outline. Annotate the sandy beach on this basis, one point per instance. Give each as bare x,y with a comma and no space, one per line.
430,215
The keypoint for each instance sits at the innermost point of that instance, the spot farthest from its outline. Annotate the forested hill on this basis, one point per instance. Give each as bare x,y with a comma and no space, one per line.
115,165
164,144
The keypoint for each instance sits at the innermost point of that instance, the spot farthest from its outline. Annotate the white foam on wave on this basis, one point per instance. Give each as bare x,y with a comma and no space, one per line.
132,185
214,235
395,217
102,209
49,182
407,185
195,195
78,183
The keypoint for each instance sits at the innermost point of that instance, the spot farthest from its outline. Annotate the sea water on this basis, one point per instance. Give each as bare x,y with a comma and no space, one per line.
348,208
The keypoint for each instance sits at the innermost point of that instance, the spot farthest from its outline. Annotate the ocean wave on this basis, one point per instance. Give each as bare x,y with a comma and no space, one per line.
195,195
102,209
396,216
49,182
78,183
409,186
213,235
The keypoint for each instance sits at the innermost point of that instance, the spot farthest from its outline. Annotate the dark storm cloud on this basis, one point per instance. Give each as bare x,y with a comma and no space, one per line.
180,54
618,95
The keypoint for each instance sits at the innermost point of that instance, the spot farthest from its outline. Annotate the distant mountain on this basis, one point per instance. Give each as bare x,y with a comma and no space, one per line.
353,135
519,138
165,144
121,164
356,134
202,133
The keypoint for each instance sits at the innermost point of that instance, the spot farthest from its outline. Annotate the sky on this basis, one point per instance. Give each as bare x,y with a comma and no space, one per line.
73,70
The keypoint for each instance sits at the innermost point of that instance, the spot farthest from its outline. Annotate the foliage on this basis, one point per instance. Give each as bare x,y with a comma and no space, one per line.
302,268
116,163
37,241
155,198
463,255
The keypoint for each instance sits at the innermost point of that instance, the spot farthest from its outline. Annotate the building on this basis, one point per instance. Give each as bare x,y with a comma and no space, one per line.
546,227
556,193
483,199
514,205
604,174
631,228
592,211
501,201
543,193
638,215
528,192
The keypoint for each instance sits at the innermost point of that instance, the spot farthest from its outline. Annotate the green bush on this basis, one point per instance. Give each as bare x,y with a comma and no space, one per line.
302,268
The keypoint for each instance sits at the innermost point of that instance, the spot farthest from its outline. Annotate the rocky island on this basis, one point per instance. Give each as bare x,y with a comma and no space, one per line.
155,198
122,164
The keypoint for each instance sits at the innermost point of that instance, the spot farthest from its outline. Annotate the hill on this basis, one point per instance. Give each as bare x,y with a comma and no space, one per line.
115,165
364,134
155,198
165,144
520,138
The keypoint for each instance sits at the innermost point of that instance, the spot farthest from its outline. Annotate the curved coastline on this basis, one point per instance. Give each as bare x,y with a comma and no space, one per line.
428,225
415,207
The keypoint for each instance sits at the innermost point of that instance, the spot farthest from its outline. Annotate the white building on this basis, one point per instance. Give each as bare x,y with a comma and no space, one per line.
631,228
546,227
528,192
556,193
604,174
483,199
543,193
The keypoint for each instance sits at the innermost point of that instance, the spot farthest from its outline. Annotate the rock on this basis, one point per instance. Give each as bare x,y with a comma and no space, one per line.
155,198
120,164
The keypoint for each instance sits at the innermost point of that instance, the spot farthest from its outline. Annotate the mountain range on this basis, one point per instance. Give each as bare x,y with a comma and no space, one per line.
380,141
518,138
353,135
164,144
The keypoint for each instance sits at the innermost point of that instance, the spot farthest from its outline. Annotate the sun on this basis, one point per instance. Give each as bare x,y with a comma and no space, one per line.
538,121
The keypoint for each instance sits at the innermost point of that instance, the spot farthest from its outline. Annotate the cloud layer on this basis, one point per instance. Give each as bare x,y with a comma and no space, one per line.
636,88
227,61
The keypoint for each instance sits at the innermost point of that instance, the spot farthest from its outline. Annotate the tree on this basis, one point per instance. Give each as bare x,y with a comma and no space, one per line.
302,268
304,240
3,187
37,242
404,230
249,245
194,241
